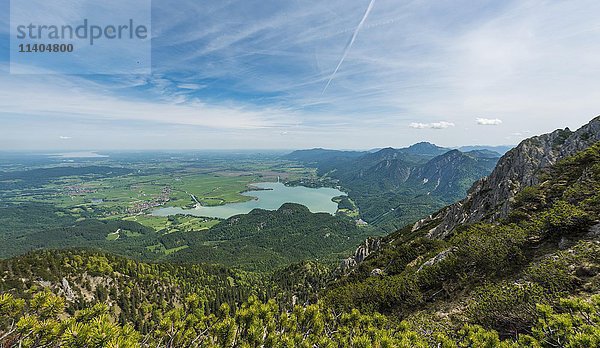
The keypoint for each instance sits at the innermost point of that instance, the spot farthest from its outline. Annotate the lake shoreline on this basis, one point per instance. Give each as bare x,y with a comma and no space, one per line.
267,196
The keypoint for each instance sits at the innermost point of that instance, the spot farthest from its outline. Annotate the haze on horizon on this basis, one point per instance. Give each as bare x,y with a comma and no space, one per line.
339,74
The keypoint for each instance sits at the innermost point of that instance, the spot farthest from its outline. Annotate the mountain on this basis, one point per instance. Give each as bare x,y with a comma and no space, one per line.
489,199
419,152
449,175
426,149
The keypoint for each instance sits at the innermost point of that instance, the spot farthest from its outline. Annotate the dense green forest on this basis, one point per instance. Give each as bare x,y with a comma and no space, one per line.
40,321
48,230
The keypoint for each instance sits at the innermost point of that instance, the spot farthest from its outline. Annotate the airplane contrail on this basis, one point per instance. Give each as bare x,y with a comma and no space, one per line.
350,43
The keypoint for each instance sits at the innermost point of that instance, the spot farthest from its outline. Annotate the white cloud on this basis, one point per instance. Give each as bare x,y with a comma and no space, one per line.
489,121
47,97
433,125
62,137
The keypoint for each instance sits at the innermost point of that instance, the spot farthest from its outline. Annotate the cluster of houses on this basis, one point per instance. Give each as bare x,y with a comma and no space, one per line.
77,190
160,200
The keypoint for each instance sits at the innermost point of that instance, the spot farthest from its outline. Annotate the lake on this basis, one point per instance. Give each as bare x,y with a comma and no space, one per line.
270,197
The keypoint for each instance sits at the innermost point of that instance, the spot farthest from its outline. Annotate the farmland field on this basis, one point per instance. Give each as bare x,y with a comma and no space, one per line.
120,190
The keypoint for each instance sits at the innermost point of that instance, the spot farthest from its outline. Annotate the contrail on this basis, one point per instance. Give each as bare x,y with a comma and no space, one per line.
350,43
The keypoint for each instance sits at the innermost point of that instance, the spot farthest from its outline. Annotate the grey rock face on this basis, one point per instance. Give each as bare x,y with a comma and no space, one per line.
437,258
366,249
67,291
490,198
347,264
594,232
419,224
362,252
377,272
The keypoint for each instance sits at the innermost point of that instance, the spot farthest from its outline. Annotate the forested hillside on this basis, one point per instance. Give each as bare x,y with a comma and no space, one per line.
395,187
265,240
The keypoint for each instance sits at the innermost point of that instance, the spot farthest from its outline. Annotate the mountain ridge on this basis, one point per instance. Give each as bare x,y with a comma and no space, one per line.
518,168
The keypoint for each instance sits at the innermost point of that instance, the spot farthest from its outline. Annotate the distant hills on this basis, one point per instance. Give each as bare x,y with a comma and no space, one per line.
498,149
421,148
321,155
394,187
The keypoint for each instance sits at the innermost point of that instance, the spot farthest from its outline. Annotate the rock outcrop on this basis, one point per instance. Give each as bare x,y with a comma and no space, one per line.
67,291
490,198
437,258
362,252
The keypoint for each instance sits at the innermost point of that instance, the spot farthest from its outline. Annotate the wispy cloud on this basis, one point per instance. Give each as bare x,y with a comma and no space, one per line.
489,121
56,96
192,86
62,137
433,125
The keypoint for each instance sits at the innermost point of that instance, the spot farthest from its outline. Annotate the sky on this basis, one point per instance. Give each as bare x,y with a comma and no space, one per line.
345,74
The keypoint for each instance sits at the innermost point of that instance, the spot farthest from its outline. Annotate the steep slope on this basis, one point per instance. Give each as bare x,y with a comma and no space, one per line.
448,176
489,199
490,273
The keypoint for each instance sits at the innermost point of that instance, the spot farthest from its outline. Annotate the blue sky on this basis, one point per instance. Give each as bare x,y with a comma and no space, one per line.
252,74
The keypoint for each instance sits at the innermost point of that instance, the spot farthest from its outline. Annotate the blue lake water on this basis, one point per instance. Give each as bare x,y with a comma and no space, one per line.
271,197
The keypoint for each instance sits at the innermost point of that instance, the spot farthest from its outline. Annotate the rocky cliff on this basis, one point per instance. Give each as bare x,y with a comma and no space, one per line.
368,247
490,198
